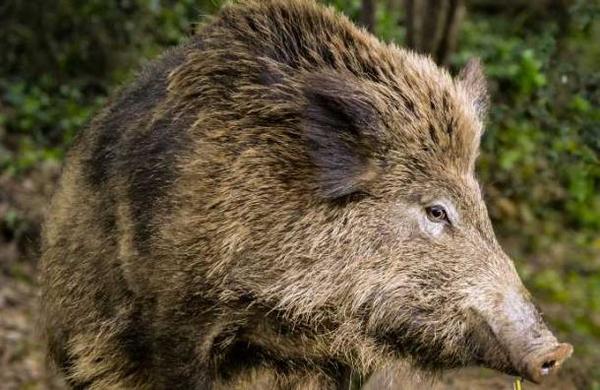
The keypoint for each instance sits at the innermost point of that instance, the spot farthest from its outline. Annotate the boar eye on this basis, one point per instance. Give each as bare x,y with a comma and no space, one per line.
436,213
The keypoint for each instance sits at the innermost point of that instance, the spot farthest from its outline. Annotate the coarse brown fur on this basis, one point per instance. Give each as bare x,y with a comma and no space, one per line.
246,210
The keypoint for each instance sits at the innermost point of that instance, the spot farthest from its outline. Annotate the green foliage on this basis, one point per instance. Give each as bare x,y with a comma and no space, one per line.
92,39
542,142
59,63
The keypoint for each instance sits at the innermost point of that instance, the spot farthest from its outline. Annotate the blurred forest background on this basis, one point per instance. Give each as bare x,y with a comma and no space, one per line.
540,165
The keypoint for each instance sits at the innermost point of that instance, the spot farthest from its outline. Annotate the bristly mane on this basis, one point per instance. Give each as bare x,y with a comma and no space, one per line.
272,44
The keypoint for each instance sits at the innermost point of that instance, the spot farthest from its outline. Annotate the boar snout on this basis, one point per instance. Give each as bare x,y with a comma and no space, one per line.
545,360
532,350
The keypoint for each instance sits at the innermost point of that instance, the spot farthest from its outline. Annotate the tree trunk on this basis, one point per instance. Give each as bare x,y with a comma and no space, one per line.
449,39
432,26
367,14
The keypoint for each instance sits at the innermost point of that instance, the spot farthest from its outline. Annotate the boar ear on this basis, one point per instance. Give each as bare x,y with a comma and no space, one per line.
473,79
339,126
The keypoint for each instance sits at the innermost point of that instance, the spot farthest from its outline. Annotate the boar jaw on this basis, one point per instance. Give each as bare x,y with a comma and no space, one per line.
529,348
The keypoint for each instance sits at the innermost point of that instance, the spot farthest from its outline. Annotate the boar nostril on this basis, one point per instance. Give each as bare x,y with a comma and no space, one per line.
547,366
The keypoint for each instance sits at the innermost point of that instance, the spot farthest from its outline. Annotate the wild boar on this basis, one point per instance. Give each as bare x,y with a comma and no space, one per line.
282,195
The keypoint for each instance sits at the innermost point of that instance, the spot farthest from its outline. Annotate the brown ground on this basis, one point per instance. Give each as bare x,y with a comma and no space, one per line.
22,202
